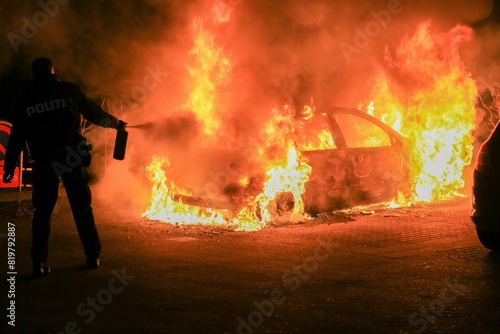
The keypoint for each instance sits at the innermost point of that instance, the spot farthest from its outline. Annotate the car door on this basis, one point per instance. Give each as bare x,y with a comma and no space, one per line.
327,188
373,156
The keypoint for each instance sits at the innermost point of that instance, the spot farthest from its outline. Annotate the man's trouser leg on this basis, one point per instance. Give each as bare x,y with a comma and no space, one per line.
79,196
44,198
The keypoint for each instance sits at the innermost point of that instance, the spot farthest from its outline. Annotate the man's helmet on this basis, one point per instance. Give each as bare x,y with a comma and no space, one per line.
42,68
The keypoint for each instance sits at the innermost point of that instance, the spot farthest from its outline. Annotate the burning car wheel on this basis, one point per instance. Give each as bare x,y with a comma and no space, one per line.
284,204
490,240
279,209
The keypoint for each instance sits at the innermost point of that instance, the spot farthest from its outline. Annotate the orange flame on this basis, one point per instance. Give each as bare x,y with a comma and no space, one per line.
163,205
209,71
286,172
430,99
288,178
434,111
324,142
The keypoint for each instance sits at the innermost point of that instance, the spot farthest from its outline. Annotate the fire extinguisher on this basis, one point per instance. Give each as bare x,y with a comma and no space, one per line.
121,139
120,144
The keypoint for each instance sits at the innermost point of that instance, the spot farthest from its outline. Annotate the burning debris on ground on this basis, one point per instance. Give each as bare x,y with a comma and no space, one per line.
216,136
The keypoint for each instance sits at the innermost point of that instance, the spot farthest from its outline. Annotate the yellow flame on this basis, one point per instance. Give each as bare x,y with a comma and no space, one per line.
210,72
400,201
288,178
286,172
435,111
324,142
163,205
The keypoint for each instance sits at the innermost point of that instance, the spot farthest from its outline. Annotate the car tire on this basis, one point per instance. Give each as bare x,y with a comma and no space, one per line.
490,240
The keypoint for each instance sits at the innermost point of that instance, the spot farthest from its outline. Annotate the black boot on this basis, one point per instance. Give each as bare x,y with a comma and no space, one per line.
40,269
92,263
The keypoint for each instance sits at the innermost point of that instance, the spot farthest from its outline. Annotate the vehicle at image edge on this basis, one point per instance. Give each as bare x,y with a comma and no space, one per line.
355,158
485,211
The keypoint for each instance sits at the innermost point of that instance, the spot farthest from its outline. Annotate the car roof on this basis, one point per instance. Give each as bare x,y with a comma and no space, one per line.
352,111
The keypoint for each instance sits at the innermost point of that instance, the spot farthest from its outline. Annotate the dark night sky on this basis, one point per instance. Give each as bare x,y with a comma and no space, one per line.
105,45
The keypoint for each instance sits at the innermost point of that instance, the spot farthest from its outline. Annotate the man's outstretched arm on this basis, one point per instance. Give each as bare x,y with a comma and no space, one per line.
96,115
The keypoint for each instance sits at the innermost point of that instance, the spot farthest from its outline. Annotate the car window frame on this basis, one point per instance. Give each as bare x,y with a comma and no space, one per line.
335,135
395,141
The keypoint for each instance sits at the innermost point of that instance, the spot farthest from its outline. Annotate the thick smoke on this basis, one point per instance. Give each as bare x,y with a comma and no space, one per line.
282,53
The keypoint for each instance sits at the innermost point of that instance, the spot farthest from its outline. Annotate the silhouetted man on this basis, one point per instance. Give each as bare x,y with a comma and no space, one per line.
48,118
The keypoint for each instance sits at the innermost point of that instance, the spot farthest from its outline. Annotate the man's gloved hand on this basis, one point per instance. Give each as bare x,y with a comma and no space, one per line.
7,176
121,125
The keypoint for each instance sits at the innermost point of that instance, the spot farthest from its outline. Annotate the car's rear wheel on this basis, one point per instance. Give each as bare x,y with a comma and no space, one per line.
490,240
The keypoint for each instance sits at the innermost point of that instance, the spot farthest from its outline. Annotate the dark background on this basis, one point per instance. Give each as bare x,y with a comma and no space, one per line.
105,45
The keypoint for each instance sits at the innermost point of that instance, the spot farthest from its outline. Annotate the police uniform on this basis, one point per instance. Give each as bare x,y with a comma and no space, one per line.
48,118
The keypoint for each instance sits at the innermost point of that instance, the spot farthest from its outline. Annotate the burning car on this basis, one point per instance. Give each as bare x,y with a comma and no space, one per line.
414,138
486,192
353,158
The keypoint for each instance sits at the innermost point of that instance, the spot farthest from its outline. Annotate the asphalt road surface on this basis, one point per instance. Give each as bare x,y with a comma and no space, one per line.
373,270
